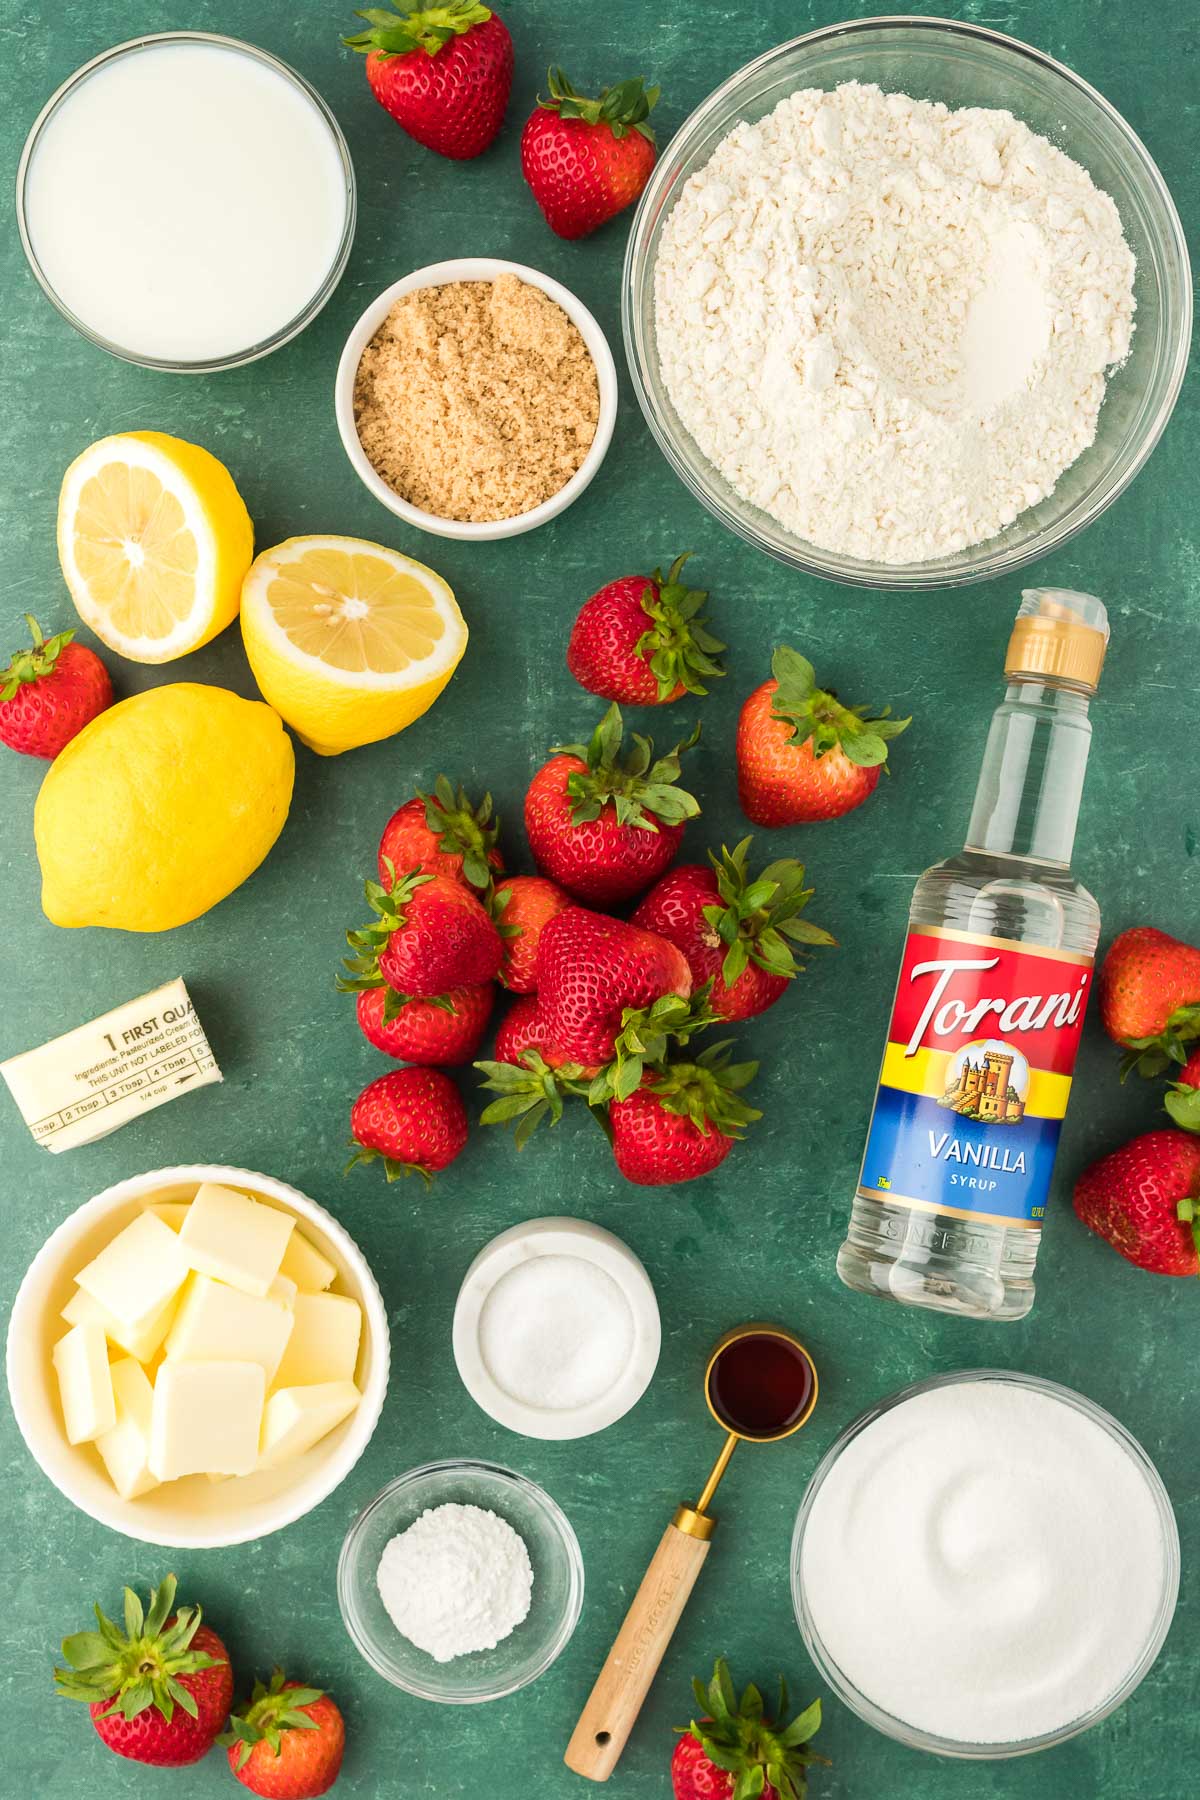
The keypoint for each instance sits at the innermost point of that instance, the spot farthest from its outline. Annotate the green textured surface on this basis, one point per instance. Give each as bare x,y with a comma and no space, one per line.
758,1238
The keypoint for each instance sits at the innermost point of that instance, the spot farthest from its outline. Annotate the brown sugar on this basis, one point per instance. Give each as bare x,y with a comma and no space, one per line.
476,400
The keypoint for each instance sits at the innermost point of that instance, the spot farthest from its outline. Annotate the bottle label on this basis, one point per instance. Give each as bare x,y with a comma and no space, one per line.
975,1077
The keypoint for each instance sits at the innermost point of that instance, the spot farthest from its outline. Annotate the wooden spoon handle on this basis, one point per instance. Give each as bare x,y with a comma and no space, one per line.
623,1683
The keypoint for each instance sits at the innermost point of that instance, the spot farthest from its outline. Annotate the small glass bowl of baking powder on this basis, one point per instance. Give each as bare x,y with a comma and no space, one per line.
962,65
556,1599
993,1556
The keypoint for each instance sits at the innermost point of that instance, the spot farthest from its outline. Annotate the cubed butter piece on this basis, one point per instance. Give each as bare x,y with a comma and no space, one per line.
218,1323
138,1273
139,1341
304,1264
283,1292
85,1383
126,1448
323,1346
171,1212
296,1418
235,1238
207,1418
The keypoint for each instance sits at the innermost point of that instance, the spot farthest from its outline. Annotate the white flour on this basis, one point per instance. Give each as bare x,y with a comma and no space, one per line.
984,1562
459,1579
888,324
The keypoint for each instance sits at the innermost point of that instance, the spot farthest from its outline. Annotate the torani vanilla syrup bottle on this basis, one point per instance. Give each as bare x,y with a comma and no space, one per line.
989,1006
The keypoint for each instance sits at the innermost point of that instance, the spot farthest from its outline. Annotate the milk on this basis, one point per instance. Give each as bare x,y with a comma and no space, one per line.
186,201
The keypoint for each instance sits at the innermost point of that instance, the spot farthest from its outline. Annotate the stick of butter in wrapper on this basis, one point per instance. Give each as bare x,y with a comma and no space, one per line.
91,1081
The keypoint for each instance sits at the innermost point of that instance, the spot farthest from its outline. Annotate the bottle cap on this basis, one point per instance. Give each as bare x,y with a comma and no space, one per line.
1059,635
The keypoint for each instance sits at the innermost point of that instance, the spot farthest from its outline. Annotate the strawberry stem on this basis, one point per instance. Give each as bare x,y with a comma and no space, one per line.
677,645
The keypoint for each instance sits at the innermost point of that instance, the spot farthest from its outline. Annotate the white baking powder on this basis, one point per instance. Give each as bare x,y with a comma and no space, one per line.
556,1332
459,1579
888,324
984,1563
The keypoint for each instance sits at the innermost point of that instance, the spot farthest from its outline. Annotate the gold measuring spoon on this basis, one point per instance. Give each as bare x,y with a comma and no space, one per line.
761,1386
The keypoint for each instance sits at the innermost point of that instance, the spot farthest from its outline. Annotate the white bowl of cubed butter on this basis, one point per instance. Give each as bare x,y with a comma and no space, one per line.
198,1356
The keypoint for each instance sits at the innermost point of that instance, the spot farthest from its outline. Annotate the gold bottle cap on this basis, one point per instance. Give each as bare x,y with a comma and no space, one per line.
1059,635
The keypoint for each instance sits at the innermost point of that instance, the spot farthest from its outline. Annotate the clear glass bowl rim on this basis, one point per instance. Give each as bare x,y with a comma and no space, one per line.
333,275
463,1465
914,1738
942,573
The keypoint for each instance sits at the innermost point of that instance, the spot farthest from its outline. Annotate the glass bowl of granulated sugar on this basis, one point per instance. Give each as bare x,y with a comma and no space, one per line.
461,1581
906,303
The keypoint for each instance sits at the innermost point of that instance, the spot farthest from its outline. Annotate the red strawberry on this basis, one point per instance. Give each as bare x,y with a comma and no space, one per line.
639,641
605,825
444,1031
727,1754
592,970
442,834
734,931
1183,1097
159,1692
1144,1199
443,72
1150,997
587,160
413,1118
48,694
430,935
683,1120
801,755
288,1743
520,1029
521,907
531,1078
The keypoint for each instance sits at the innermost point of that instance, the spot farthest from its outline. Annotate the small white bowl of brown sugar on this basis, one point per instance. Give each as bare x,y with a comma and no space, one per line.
476,398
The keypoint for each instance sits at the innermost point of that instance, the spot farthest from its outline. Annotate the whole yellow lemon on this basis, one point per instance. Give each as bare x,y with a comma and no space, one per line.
160,807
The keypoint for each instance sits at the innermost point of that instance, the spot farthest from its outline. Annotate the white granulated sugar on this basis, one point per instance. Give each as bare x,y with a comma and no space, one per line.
556,1332
888,324
459,1579
985,1563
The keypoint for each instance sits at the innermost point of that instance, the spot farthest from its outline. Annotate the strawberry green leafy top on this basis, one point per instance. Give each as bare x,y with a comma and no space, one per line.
819,718
413,27
754,919
140,1666
676,644
272,1711
754,1751
643,791
623,108
32,665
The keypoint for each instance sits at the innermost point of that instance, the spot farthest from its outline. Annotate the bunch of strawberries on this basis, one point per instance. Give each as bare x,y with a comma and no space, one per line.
159,1688
1144,1198
606,1006
445,74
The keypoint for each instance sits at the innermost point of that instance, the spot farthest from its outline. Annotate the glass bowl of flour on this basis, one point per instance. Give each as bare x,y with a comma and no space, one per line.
478,1564
985,1564
906,303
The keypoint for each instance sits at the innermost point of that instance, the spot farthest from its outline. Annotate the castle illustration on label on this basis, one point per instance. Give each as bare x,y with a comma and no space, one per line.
984,1086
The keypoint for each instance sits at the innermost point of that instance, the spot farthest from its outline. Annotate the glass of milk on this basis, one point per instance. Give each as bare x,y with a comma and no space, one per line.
187,201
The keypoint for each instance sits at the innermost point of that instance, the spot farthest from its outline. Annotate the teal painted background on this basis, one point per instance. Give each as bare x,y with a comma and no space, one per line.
760,1236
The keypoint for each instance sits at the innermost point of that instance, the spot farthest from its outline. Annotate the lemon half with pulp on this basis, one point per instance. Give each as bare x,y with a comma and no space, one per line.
154,540
349,641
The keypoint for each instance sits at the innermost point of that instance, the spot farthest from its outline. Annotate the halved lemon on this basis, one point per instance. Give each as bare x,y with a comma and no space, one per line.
154,540
349,641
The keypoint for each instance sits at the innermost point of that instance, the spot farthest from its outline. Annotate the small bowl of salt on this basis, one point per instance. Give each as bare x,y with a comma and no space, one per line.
461,1582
